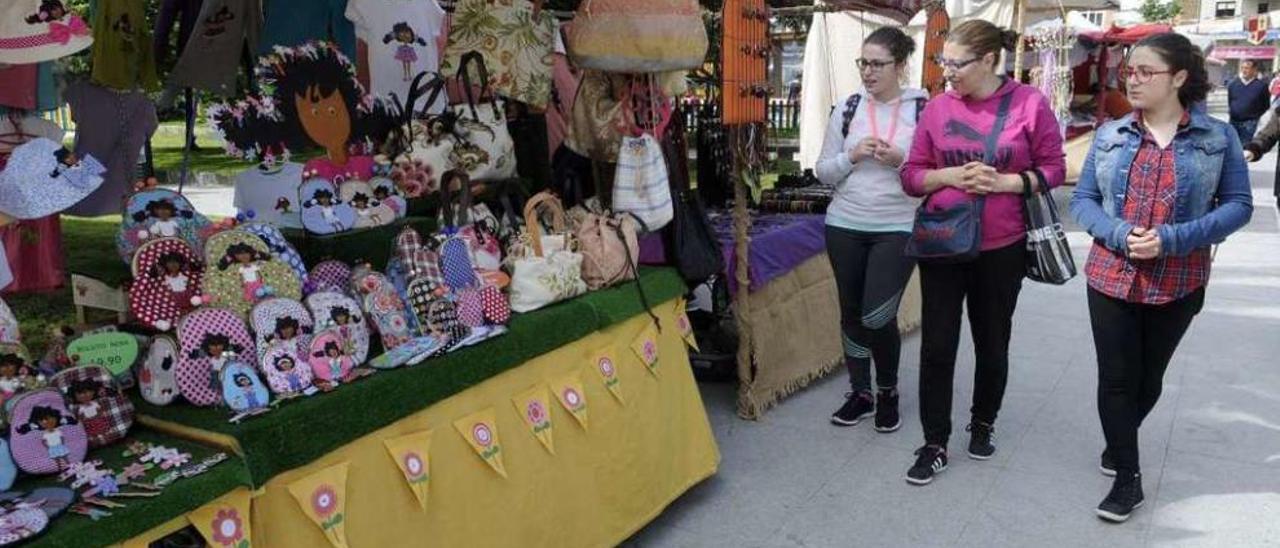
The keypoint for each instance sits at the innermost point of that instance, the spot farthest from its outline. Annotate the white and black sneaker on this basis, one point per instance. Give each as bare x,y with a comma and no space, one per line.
1124,498
887,418
1106,465
931,460
981,440
857,406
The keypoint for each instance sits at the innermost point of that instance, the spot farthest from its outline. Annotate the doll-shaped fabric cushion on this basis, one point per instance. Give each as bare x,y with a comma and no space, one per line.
288,372
159,213
8,325
240,272
208,339
279,322
369,211
167,279
17,372
330,276
157,380
242,390
383,305
330,361
336,311
280,247
44,435
323,211
92,394
384,191
42,178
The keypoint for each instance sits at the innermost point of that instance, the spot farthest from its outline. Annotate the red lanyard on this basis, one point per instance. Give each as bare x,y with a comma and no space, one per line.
893,124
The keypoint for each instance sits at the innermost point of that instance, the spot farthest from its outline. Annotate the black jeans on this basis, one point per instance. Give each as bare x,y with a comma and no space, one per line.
1134,343
989,285
871,272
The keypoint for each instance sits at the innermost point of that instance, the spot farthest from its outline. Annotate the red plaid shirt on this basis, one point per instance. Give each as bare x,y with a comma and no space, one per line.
1149,202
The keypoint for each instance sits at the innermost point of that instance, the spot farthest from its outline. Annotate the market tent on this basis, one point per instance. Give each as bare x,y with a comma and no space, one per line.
835,40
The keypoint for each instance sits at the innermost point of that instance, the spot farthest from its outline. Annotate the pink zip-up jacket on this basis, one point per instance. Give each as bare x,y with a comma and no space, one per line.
953,131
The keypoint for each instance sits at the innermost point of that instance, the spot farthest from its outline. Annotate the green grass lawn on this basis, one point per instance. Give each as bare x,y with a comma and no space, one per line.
166,151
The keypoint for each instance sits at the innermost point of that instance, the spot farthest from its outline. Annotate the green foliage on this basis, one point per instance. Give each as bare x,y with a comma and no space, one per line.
1153,11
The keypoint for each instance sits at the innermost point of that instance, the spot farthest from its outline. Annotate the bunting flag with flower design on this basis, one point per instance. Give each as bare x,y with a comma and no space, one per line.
605,362
532,405
323,498
225,522
480,429
569,391
685,326
645,346
411,455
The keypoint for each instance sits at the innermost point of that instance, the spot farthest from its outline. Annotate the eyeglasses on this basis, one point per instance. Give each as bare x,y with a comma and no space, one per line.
1141,74
954,65
875,65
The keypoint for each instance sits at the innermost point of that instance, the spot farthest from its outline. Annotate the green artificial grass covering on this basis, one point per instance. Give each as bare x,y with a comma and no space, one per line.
371,245
141,514
301,431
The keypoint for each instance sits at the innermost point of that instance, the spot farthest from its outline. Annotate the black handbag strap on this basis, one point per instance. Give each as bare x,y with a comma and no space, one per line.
464,75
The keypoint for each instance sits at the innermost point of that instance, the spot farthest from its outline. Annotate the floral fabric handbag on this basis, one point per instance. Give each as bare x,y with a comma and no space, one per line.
515,37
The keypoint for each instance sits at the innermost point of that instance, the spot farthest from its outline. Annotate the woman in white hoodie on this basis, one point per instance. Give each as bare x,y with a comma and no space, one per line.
869,221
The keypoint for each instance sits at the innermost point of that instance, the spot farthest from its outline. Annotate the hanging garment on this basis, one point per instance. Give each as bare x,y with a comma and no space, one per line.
111,126
123,55
187,14
291,23
401,37
19,89
211,58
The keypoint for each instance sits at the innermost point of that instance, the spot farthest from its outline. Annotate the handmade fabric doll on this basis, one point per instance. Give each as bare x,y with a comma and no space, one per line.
219,349
42,178
161,220
246,260
49,422
84,397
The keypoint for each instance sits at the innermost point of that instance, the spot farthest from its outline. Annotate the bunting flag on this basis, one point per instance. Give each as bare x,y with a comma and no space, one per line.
225,522
645,346
685,326
411,454
605,362
323,498
481,431
532,405
569,391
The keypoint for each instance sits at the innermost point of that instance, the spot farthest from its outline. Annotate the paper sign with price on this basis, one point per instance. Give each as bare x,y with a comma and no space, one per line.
114,351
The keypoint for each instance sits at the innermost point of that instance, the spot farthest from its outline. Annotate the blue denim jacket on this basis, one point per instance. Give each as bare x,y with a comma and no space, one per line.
1214,197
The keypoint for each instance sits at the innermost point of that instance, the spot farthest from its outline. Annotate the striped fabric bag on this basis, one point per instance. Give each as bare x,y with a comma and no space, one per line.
640,186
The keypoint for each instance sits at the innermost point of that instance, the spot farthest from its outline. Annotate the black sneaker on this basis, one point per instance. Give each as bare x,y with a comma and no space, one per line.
930,461
887,419
1124,498
857,406
981,440
1107,466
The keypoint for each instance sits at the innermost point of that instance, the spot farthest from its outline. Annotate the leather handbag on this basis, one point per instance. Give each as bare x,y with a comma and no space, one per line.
691,244
954,234
609,247
637,36
542,276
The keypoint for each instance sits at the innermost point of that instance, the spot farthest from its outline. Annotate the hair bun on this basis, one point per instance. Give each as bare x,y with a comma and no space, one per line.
1009,39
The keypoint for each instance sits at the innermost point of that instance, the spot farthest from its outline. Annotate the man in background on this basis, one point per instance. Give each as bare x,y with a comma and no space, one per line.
1249,99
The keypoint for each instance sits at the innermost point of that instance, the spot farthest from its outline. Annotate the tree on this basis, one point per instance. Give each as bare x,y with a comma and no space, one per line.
1159,10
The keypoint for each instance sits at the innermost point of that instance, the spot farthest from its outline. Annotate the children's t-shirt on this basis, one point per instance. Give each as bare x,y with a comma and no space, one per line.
123,55
402,38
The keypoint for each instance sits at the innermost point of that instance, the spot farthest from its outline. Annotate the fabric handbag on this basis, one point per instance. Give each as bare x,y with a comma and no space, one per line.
516,38
167,276
543,277
208,339
418,261
484,150
44,435
637,36
609,247
641,187
455,254
954,234
1049,257
95,397
597,120
692,246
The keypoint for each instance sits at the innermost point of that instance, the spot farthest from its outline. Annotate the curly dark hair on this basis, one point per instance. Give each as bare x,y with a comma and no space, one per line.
268,123
900,45
237,248
1178,51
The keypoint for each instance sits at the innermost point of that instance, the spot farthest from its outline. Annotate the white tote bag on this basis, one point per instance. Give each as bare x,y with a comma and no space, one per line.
542,277
640,186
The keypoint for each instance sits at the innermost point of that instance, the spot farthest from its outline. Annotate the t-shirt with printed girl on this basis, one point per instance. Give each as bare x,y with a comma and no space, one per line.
402,43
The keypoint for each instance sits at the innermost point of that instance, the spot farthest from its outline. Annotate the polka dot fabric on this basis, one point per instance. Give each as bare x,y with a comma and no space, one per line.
227,287
330,276
195,370
263,322
152,298
295,380
325,306
280,247
27,441
455,260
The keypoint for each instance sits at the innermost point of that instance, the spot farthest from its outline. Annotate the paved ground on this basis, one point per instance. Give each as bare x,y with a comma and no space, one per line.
1210,450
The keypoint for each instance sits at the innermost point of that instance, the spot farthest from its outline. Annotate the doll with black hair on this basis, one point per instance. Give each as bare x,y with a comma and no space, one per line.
368,212
315,100
287,365
345,322
329,364
49,422
165,219
173,267
405,53
327,204
247,391
15,375
48,12
247,262
67,160
219,349
85,404
286,334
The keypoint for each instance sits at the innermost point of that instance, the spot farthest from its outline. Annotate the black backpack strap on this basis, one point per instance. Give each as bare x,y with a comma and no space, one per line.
920,103
850,108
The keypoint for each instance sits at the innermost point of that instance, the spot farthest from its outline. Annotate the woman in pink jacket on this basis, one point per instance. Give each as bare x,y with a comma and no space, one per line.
950,163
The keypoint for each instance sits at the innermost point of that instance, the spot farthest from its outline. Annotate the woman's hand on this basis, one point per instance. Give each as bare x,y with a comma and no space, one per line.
864,150
1248,155
1144,243
888,154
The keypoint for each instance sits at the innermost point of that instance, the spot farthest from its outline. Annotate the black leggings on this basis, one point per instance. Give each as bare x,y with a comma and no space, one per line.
1134,343
989,285
871,272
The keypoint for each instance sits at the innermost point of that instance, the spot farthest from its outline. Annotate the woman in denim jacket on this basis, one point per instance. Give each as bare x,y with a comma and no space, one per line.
1158,188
